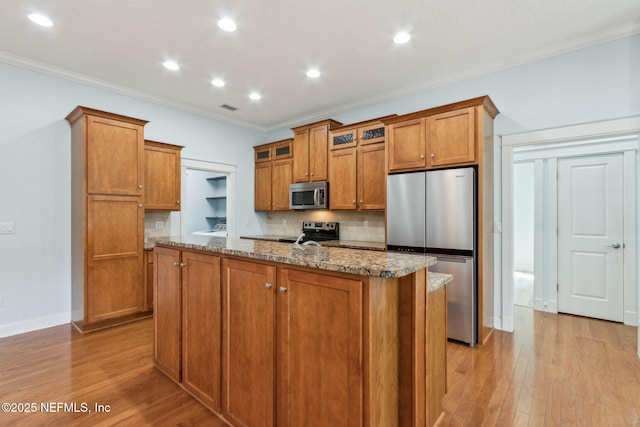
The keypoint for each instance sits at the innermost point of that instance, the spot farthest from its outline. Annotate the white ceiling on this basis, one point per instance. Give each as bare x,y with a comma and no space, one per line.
121,45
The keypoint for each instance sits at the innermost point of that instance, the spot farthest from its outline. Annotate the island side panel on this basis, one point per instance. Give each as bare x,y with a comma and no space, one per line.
436,353
381,359
412,347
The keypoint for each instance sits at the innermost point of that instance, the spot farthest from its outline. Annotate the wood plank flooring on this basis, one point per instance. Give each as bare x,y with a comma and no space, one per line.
555,370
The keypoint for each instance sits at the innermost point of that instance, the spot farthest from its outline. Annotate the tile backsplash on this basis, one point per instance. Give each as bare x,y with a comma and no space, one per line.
358,226
157,224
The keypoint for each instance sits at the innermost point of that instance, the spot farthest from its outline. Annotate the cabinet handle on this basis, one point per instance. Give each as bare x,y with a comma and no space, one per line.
433,156
176,263
140,186
421,156
183,265
283,289
268,285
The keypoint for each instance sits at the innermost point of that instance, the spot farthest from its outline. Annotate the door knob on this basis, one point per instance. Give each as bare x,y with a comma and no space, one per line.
615,246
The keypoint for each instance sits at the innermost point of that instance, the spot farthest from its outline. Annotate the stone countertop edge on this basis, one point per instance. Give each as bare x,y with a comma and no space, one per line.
437,280
355,261
353,244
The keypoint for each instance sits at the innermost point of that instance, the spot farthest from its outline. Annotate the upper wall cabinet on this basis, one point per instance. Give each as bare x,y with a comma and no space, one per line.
442,136
310,151
273,165
161,176
356,166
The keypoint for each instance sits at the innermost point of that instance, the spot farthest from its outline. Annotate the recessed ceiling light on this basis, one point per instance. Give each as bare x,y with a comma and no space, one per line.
255,96
227,24
217,82
41,20
313,73
401,38
171,65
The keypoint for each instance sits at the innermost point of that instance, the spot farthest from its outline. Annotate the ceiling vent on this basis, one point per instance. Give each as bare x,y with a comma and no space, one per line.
228,107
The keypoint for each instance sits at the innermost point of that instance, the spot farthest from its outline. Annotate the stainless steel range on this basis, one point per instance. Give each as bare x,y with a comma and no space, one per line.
317,232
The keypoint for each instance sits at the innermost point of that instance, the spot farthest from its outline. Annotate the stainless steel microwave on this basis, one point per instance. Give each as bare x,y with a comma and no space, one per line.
309,195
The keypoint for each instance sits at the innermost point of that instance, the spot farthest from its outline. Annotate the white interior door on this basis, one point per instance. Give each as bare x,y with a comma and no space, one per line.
590,236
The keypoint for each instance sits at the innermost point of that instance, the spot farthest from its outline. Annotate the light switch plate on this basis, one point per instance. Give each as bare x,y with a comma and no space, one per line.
7,227
159,225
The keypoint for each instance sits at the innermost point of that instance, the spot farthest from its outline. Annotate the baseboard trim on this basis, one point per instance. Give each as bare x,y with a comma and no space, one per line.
34,324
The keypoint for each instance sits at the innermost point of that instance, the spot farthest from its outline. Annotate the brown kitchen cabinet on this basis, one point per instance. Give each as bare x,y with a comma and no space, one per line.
407,145
357,176
310,151
188,350
319,348
148,278
107,271
311,325
248,342
273,166
161,176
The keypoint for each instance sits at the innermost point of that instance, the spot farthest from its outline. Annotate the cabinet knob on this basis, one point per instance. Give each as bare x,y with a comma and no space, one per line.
177,202
283,289
306,174
311,173
361,201
183,265
139,205
421,156
354,202
433,156
268,285
140,186
176,263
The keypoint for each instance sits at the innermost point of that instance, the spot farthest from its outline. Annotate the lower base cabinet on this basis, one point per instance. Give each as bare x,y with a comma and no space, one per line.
311,326
267,344
187,321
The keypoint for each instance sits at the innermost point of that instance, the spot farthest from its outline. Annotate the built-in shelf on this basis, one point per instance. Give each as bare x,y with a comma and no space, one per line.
217,200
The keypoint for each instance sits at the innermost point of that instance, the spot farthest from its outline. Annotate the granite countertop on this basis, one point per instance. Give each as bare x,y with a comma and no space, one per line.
353,244
437,280
354,261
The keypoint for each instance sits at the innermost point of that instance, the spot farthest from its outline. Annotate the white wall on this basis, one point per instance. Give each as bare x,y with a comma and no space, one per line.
199,208
587,85
35,179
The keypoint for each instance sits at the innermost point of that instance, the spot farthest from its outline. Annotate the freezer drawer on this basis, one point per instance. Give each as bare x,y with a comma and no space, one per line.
461,297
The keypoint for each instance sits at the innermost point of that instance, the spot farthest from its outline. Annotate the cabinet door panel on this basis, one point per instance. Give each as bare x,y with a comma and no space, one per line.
167,304
319,350
114,257
201,327
281,178
407,145
342,187
301,156
318,149
371,177
248,371
452,137
262,188
115,152
161,178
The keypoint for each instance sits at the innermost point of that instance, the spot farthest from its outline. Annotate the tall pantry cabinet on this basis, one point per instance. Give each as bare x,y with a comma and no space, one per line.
107,218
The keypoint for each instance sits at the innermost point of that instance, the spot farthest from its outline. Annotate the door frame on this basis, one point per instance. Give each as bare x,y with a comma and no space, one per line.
229,170
570,137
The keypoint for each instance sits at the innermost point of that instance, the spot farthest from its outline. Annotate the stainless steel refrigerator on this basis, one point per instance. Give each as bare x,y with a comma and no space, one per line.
434,212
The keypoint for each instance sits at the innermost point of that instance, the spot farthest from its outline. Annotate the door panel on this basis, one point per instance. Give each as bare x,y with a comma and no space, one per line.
590,236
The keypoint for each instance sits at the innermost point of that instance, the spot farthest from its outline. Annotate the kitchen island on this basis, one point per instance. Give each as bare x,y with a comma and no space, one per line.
267,333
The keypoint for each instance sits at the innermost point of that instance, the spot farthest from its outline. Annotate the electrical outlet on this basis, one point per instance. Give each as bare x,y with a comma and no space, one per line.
7,227
159,225
366,224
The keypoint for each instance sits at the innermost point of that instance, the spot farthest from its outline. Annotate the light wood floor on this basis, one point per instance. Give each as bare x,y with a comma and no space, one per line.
555,370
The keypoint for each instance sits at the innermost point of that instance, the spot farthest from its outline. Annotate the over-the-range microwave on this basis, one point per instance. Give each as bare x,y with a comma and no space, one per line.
309,195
